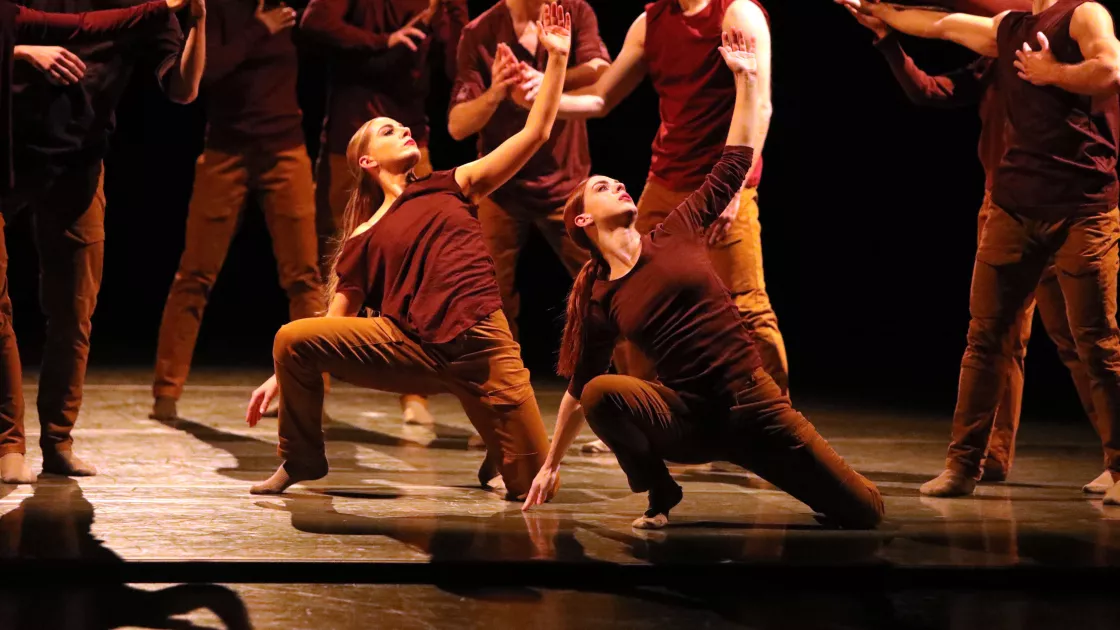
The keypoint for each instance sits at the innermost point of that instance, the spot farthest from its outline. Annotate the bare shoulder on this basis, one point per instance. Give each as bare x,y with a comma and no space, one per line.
1092,15
747,15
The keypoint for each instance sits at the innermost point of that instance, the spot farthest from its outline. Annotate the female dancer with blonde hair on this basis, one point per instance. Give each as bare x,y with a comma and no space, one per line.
713,400
414,253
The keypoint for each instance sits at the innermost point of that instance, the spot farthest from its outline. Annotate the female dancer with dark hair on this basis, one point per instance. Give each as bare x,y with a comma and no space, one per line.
713,400
415,254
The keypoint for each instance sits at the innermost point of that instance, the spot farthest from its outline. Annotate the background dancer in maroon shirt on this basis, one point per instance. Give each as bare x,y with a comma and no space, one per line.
415,255
380,65
974,85
54,164
712,400
674,42
254,149
1054,197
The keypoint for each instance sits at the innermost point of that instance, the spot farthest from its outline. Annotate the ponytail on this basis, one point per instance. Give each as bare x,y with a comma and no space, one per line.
571,345
579,300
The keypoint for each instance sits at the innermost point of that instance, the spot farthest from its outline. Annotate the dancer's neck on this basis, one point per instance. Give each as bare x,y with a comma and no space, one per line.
692,7
621,248
524,10
1042,5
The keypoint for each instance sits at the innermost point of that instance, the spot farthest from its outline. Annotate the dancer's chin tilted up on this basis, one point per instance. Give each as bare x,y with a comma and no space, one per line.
713,400
414,253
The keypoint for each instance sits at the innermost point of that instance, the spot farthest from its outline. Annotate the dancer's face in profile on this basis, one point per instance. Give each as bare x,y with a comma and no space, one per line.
606,204
390,147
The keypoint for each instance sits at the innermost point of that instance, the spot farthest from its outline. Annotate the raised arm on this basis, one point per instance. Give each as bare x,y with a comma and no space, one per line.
484,175
1092,28
39,27
181,85
473,103
748,18
971,31
615,83
703,207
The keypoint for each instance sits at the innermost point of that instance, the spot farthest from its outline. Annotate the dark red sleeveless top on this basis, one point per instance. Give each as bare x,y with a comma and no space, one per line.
696,92
1062,149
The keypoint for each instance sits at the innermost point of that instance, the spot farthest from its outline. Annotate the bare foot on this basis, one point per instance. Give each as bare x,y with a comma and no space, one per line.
164,409
660,503
949,484
597,447
1113,495
289,474
66,464
1100,485
14,469
414,410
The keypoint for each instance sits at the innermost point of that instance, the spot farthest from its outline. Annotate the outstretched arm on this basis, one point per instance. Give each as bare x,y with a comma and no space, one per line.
971,31
748,18
486,174
1092,29
615,83
39,27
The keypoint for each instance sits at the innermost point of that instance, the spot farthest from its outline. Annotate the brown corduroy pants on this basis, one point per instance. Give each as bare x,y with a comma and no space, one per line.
1011,261
281,182
482,367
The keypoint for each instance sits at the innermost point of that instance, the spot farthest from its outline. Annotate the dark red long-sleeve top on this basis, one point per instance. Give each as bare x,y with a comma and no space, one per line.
28,26
673,306
370,79
250,81
971,86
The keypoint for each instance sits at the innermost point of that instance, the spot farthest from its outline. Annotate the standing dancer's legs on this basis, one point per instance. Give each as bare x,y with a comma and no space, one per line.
481,367
13,466
645,424
283,187
333,183
69,225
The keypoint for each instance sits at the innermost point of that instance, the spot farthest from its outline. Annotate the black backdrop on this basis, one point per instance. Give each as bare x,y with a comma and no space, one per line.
868,207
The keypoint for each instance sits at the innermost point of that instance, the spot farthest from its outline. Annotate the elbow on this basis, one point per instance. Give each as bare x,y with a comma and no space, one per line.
182,95
456,130
539,136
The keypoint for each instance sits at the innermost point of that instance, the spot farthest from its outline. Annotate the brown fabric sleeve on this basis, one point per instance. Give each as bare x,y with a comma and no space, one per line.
600,337
590,44
702,207
469,75
33,26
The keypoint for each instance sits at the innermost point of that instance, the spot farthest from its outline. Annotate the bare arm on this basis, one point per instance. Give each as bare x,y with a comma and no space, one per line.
486,174
1099,74
616,82
342,306
468,117
569,423
182,83
971,31
747,17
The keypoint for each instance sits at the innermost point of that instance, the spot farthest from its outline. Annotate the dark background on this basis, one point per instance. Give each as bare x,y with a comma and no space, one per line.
868,206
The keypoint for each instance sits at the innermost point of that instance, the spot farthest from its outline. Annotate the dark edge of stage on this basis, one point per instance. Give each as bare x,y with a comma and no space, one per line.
581,575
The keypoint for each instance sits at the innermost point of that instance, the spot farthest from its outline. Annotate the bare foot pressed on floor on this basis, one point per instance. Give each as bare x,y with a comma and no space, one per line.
415,411
660,503
597,447
66,464
1112,497
164,408
14,469
949,484
1100,485
287,475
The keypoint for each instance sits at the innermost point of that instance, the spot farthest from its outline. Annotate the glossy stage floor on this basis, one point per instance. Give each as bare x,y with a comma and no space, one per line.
400,536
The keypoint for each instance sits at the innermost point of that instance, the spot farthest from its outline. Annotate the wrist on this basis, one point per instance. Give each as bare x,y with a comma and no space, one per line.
20,53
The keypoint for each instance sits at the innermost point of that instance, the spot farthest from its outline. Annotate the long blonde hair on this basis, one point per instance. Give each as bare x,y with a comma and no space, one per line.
365,197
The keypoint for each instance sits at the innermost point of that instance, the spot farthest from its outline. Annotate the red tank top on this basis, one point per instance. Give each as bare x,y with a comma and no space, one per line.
696,92
1062,149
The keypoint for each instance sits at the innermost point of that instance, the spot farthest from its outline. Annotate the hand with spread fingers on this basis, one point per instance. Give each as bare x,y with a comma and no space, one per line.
1039,67
60,66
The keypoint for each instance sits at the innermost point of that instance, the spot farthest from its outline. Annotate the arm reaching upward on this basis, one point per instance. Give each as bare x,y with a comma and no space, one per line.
971,31
1093,30
484,175
704,206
